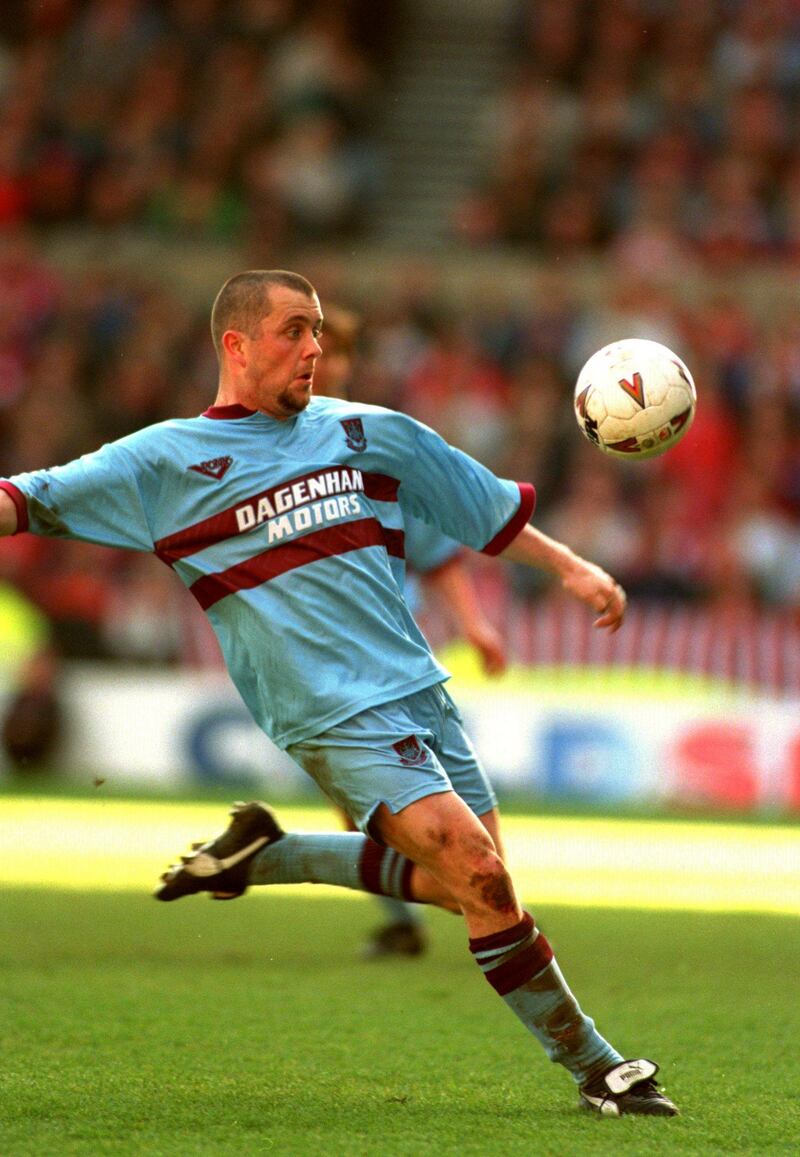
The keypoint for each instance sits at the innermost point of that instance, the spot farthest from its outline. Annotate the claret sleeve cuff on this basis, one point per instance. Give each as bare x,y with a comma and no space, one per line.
515,524
20,502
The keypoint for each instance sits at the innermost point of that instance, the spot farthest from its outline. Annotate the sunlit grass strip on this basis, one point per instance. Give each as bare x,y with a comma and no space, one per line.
552,683
121,846
656,864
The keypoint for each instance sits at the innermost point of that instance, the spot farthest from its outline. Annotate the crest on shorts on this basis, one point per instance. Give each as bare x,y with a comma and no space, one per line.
355,438
411,751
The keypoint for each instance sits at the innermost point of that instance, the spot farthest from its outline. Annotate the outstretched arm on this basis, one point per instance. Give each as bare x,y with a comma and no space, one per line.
453,583
8,514
583,580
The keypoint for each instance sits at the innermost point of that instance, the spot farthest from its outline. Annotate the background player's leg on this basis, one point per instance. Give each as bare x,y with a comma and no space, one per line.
491,821
402,933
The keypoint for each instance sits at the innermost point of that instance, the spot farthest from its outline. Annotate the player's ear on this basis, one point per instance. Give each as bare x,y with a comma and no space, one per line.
233,345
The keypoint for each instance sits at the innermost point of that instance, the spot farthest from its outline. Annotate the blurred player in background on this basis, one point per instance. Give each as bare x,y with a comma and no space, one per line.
283,520
439,562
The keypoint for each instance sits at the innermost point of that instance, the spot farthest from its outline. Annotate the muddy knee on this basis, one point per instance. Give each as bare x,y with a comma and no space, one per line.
490,887
481,882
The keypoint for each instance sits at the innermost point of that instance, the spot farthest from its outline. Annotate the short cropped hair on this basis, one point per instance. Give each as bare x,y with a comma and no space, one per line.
244,300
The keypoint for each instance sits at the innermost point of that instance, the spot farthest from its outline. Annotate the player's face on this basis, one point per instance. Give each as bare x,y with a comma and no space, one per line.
281,354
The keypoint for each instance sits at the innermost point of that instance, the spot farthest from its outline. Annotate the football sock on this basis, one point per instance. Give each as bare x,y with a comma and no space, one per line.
346,859
398,911
519,964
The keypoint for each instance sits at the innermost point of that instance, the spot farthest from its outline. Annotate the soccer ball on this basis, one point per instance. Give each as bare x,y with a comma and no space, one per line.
634,399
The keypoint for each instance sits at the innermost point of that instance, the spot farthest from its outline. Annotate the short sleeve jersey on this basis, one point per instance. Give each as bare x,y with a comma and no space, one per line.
290,535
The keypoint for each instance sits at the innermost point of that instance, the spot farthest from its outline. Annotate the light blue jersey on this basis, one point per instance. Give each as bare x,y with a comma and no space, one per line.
290,535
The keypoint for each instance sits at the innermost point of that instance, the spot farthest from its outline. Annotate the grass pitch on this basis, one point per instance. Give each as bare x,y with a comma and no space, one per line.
144,1030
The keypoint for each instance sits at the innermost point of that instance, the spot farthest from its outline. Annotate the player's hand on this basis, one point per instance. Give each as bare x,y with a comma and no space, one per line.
489,645
584,580
591,585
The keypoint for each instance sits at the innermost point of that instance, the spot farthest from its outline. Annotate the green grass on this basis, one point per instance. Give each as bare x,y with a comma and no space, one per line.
234,1030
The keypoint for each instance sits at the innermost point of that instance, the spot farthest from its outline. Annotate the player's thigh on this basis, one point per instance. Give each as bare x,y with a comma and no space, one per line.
460,759
383,756
465,770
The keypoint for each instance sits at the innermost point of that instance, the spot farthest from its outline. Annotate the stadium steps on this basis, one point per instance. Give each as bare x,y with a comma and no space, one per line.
451,58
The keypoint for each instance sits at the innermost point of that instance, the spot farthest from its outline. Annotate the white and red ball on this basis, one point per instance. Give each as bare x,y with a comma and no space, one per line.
634,399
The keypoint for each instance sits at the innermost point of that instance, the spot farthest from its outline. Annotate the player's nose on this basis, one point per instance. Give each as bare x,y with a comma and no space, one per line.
313,349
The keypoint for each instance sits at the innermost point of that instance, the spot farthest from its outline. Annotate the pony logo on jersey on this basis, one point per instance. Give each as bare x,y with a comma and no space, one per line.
215,468
411,751
354,429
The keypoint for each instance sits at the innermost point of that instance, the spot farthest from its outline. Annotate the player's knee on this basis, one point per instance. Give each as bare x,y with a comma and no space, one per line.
461,851
482,883
490,888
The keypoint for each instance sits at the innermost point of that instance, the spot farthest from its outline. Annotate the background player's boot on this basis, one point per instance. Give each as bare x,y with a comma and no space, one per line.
221,866
399,939
627,1088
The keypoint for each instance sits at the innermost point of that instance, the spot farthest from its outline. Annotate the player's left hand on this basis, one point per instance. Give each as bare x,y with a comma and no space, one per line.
584,580
600,591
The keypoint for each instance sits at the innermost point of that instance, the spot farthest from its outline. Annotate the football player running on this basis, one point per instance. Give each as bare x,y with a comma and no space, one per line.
293,545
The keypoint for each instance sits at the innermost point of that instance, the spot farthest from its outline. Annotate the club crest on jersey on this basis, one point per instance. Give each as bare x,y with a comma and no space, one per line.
411,751
354,429
215,468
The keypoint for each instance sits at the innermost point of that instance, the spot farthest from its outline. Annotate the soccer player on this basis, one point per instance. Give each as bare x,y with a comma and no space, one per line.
439,561
283,520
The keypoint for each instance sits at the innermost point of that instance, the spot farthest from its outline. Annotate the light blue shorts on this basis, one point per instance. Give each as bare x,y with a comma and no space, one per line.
395,754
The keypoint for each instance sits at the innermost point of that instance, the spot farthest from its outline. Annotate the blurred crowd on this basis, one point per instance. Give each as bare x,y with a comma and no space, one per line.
670,125
668,146
204,119
666,124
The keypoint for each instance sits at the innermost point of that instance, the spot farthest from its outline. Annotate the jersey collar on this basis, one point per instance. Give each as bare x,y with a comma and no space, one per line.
226,413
